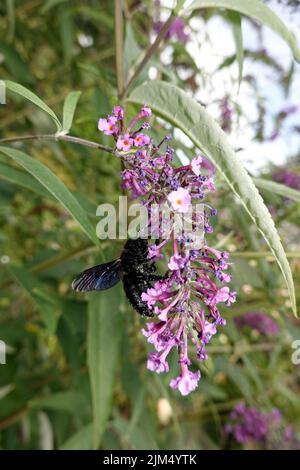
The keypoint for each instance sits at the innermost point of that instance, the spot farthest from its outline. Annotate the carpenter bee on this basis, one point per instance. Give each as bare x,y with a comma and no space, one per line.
136,271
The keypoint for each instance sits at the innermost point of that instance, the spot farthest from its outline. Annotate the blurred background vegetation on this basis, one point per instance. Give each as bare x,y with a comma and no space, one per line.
53,47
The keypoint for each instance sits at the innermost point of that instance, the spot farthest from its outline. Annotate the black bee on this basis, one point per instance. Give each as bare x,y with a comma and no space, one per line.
137,272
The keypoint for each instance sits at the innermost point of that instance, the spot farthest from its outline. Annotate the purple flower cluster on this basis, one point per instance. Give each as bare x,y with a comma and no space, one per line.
288,178
249,424
125,138
185,302
178,30
280,118
257,321
226,114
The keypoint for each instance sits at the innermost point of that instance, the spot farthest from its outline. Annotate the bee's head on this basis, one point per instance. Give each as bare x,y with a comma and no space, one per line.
136,250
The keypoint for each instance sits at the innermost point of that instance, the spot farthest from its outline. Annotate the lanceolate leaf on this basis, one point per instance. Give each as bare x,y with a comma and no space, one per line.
104,332
21,178
15,64
55,186
81,440
24,179
69,401
182,111
258,11
278,188
69,109
48,306
236,22
132,51
21,90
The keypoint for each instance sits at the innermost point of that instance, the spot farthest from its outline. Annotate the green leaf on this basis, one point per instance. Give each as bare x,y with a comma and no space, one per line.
104,333
66,26
132,51
15,64
184,112
179,6
213,392
264,271
69,109
81,440
21,178
48,306
55,186
29,95
237,376
50,4
256,10
100,17
278,188
69,402
235,19
140,438
10,7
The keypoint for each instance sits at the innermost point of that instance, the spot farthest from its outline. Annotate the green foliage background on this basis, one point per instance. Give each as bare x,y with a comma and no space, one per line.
76,376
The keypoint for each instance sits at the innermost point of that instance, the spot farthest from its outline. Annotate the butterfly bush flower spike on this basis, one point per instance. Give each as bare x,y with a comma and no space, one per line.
185,302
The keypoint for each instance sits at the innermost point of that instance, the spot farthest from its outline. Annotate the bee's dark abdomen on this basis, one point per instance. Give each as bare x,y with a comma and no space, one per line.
134,286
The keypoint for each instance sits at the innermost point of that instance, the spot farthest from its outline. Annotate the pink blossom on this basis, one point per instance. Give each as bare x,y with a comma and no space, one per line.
208,331
224,295
159,335
180,200
209,184
142,154
118,112
196,165
108,126
130,182
163,314
145,111
231,298
152,333
124,142
176,262
154,252
208,166
156,293
149,297
157,363
186,382
224,277
141,139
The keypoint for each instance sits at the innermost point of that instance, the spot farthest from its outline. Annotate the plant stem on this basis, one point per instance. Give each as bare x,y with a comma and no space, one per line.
119,46
66,138
149,53
6,422
262,254
120,58
240,350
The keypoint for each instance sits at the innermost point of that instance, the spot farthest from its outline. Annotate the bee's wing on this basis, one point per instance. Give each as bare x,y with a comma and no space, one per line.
99,277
